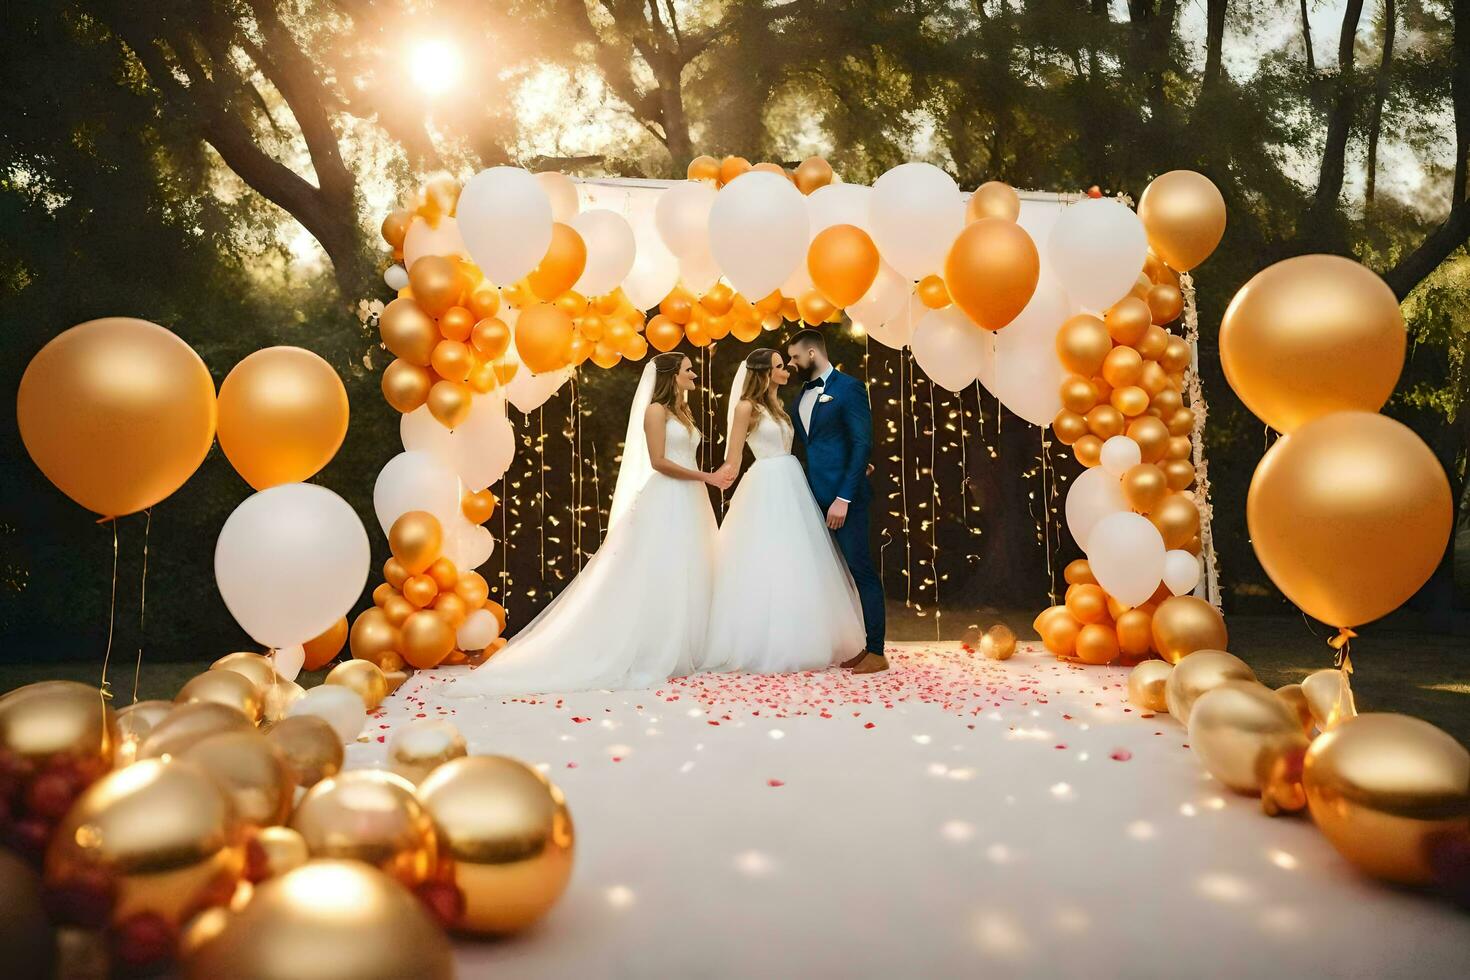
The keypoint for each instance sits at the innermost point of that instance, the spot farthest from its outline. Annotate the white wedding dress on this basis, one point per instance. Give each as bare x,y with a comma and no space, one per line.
636,615
783,598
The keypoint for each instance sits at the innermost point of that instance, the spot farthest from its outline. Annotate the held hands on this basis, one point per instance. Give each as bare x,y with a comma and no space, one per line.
722,477
837,514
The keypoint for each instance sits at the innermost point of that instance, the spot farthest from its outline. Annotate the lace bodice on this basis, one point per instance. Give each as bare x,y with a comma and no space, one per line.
770,437
681,443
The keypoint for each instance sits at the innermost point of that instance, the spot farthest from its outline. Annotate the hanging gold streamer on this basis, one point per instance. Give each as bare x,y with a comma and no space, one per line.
111,611
142,604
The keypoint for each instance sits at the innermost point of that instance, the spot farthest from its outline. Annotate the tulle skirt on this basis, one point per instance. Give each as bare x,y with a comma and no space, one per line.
635,616
783,598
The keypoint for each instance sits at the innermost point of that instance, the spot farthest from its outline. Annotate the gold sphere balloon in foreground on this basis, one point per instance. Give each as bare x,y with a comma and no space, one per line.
1250,740
1291,695
1329,697
1185,623
278,700
327,920
58,723
1146,684
256,667
420,747
363,677
225,687
998,643
1381,785
161,831
1199,672
275,851
312,750
252,772
373,816
189,723
134,724
506,838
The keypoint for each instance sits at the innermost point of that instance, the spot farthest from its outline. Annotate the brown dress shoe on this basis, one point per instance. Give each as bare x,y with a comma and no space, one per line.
871,663
850,664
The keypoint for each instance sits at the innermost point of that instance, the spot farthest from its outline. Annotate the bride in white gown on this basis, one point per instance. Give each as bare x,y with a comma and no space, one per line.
783,598
636,614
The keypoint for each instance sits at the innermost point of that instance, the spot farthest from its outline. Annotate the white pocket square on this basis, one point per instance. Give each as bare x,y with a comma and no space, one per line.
824,398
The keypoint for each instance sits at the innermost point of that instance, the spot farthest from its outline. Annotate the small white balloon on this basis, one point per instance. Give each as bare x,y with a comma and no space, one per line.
413,481
840,204
396,277
950,349
1095,494
505,219
915,211
341,707
425,239
897,331
699,270
561,191
1097,248
1181,571
682,217
1126,554
1028,372
1119,455
288,661
611,250
759,232
884,299
479,629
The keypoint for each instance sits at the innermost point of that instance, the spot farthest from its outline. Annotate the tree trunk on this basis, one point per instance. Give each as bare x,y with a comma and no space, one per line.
1333,168
1215,11
1380,95
1307,40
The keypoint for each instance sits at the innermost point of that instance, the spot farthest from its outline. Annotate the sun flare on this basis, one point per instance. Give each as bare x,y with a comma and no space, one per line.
435,66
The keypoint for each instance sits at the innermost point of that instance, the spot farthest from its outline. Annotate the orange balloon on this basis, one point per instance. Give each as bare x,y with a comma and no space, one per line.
678,306
491,337
1183,213
498,611
415,539
812,173
562,265
1131,401
746,330
1122,367
1128,320
663,333
394,573
1059,634
991,270
703,168
406,386
814,308
1097,643
282,416
993,199
572,303
605,355
637,347
383,593
1078,572
473,589
1165,303
408,331
456,323
932,293
449,403
543,337
1083,343
451,360
436,284
452,608
732,167
478,507
395,227
427,639
717,300
1087,603
444,574
1088,450
1135,632
484,301
321,649
843,262
420,590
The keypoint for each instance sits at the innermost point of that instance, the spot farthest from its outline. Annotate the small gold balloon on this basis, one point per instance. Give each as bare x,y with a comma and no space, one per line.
310,746
435,282
1329,697
1069,427
406,385
408,332
811,173
373,816
1079,396
278,700
161,831
189,723
449,403
1144,486
1088,450
27,938
1291,695
225,687
507,837
998,643
251,770
1083,343
1146,684
1177,518
416,539
275,851
327,920
361,676
993,199
1201,671
1135,631
255,667
1244,734
135,723
58,723
420,747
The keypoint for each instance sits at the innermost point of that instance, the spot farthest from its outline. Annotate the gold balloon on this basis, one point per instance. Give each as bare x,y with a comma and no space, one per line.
1069,427
1146,684
1096,643
703,168
1122,367
282,416
1088,450
1291,695
278,699
1135,628
415,539
408,332
363,677
373,636
322,648
1198,672
134,724
406,386
1184,215
1128,321
27,938
1329,697
1251,741
1079,396
998,643
1349,515
1184,624
58,724
1083,342
1152,436
1131,401
395,226
117,413
1165,303
449,403
1144,486
427,639
161,831
369,815
1155,341
224,687
275,851
991,272
1177,518
1178,473
1381,786
843,262
506,836
1310,336
812,173
993,199
310,746
326,920
1105,421
435,282
251,770
422,746
189,723
254,667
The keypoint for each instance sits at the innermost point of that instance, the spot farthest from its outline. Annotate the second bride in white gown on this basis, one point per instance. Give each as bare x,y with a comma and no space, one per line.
636,615
783,598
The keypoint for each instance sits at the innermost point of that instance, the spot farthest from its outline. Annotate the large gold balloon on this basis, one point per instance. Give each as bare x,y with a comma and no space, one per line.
1380,786
282,416
1184,215
991,271
842,262
27,938
1251,741
58,724
223,687
1198,672
117,413
326,920
993,199
1146,684
161,831
1312,335
416,539
506,836
1329,697
251,770
373,637
310,746
1349,515
369,815
427,639
408,332
422,746
364,678
189,723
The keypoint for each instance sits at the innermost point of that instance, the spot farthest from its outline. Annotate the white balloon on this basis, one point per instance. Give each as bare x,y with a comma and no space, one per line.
897,331
479,629
528,392
610,251
1029,374
1120,454
505,218
1181,571
759,231
799,281
839,204
682,217
291,561
423,239
288,661
341,707
916,211
883,300
421,432
1126,554
1097,249
468,545
485,443
1095,494
985,370
415,480
699,270
655,270
562,193
396,277
950,348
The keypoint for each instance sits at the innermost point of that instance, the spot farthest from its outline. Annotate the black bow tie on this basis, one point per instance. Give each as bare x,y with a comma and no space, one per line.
813,384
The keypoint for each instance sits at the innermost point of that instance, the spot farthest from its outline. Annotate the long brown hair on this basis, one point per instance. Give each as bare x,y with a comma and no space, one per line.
757,388
666,390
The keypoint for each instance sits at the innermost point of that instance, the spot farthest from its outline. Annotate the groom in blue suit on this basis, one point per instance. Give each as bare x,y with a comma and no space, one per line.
834,426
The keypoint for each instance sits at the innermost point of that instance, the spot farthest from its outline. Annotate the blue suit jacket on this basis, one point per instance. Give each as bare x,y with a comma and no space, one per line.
840,441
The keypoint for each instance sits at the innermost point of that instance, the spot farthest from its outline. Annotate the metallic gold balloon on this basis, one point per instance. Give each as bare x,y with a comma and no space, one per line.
473,589
1291,695
1181,423
812,173
1078,572
1131,401
58,724
1178,473
1152,436
998,643
251,770
993,199
1184,624
1349,515
395,226
1086,603
1153,379
1184,215
117,413
991,271
1088,450
449,403
435,282
1167,402
134,724
1177,518
1128,321
160,831
282,416
1144,487
416,539
275,851
394,573
321,649
1198,672
1069,427
813,308
506,837
1155,341
27,938
1310,336
1146,684
363,677
491,337
408,331
1165,303
373,636
1329,697
1097,643
372,816
224,687
427,639
420,747
278,700
1078,394
327,920
310,746
1380,786
1122,367
406,385
1245,736
703,168
1135,632
189,723
1083,343
256,668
